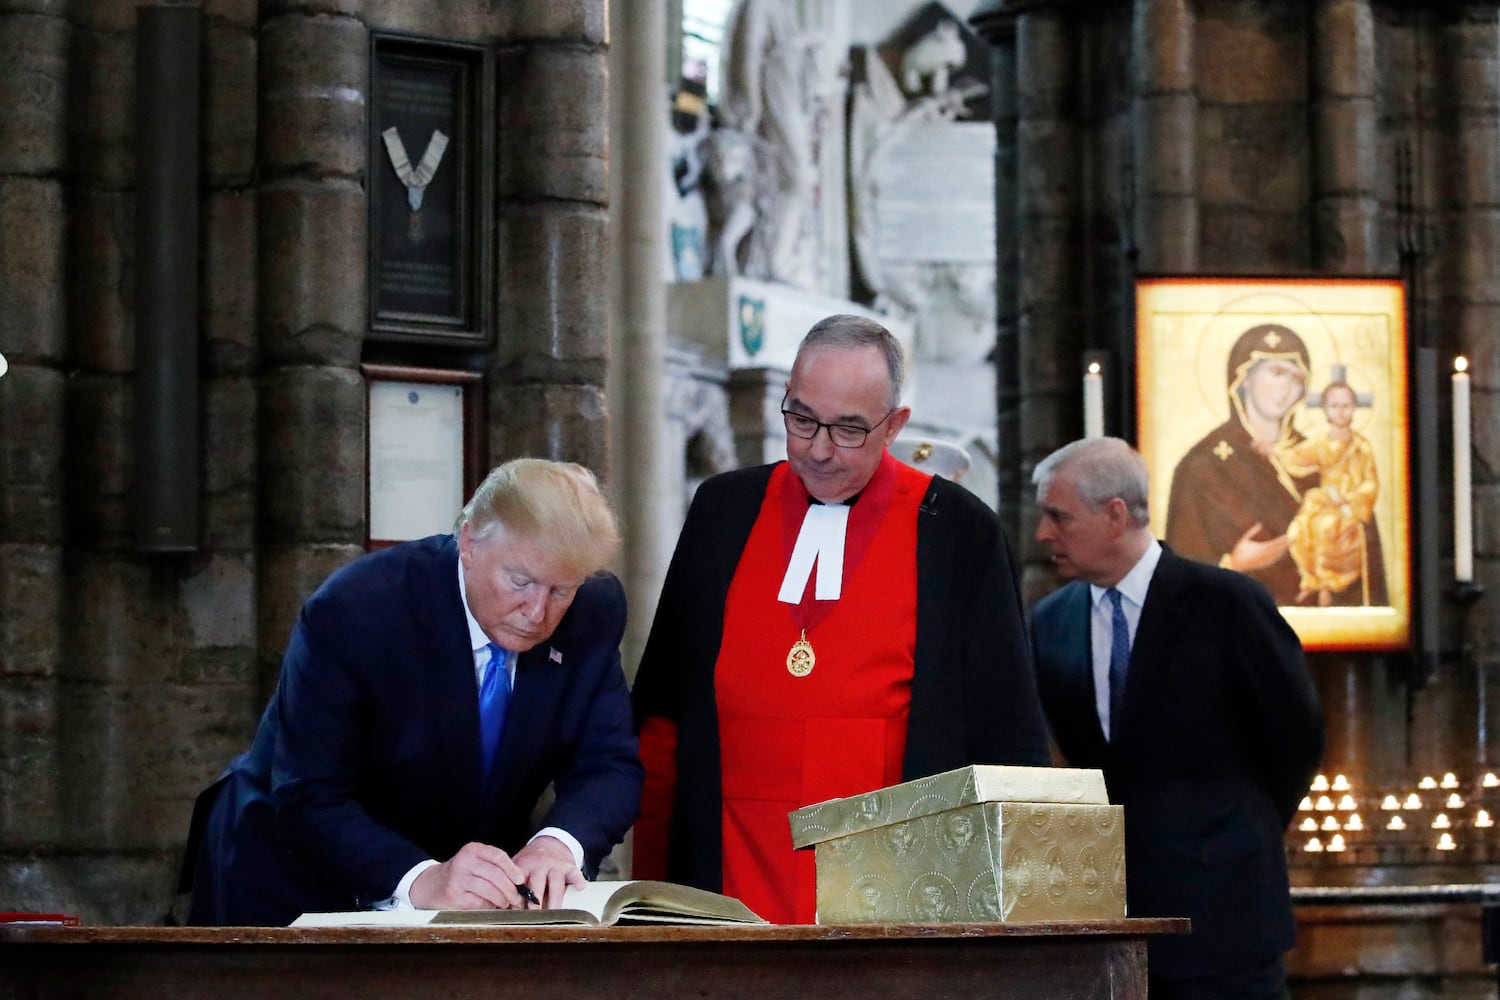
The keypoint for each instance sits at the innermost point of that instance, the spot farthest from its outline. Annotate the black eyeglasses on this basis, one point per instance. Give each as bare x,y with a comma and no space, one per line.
842,435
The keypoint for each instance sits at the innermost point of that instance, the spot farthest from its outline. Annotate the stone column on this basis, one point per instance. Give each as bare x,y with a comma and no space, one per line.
34,39
1166,130
1047,235
999,30
647,472
311,234
1344,154
552,322
1467,175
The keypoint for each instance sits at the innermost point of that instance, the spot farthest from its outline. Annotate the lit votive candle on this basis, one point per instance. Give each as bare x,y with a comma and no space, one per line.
1354,822
1445,842
1450,780
1482,819
1340,783
1440,822
1336,842
1396,823
1320,783
1427,782
1324,803
1313,845
1309,825
1455,801
1347,803
1330,823
1389,802
1413,801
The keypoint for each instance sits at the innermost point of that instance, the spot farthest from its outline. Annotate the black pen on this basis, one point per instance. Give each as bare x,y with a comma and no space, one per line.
527,894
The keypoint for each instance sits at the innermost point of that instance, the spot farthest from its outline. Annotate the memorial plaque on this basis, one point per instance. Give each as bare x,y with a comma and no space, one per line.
428,190
425,449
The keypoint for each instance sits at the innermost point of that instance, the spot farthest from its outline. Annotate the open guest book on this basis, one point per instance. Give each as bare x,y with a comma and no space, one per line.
598,904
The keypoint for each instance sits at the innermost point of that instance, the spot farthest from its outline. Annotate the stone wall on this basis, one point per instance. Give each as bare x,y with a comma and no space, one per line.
127,681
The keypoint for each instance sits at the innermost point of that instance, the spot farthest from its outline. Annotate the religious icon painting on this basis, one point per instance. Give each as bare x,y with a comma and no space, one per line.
1272,414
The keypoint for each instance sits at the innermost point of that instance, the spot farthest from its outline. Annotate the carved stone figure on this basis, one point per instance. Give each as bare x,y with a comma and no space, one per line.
932,58
769,97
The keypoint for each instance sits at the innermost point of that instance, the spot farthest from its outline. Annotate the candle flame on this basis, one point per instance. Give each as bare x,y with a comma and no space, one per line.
1460,364
1094,368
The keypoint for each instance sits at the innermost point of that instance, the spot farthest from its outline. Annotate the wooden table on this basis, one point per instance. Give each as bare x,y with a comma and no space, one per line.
1094,959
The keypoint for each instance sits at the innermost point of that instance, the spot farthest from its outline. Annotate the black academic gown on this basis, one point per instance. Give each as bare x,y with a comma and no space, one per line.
973,697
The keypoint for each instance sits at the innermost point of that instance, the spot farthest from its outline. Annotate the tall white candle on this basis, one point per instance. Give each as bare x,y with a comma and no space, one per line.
1093,402
1463,486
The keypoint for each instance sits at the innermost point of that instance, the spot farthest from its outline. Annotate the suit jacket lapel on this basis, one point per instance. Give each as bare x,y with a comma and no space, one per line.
1155,633
455,693
537,687
1080,666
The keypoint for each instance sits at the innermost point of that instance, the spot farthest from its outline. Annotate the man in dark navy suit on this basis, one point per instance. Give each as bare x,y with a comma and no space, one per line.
1183,683
429,694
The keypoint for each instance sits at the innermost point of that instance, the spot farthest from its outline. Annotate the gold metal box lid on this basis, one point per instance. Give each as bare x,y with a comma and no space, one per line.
982,843
961,787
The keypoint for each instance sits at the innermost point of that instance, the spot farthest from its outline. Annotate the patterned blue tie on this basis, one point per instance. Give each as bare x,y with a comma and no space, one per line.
494,695
1119,659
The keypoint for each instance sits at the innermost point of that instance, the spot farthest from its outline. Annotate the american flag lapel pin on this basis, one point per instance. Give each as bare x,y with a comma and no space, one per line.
554,655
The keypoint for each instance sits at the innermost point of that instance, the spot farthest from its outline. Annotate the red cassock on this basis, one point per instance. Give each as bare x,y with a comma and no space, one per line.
789,741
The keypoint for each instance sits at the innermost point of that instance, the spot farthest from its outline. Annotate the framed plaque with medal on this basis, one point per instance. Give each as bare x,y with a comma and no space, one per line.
429,164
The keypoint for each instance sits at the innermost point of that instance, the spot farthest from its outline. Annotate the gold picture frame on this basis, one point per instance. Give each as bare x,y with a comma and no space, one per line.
1272,414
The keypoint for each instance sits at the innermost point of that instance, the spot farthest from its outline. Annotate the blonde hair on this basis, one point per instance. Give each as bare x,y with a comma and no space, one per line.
558,504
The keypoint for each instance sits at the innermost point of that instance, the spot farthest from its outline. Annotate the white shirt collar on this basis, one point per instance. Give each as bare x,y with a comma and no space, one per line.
477,639
1133,585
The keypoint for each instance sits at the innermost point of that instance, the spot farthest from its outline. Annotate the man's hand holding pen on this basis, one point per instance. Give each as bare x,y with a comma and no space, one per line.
547,864
477,877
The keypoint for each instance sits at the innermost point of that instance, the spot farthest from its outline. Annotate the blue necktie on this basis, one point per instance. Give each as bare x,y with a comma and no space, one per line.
494,695
1119,659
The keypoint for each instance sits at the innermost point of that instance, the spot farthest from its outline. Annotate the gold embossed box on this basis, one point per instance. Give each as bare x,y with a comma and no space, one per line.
982,843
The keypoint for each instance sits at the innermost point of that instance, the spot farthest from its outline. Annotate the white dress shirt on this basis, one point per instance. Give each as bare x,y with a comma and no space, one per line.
1132,588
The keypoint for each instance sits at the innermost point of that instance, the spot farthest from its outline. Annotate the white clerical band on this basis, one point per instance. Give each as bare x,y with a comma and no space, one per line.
820,541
